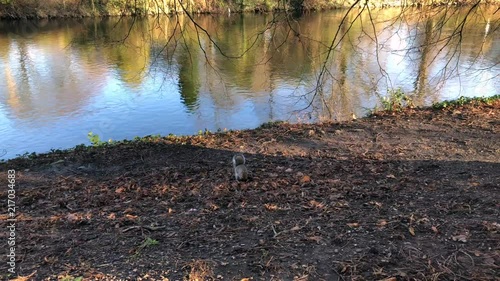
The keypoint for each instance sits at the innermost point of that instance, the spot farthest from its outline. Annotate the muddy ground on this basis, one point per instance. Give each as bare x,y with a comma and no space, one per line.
407,196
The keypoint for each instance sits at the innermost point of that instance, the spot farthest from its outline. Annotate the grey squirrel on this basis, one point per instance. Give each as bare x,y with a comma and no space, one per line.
240,170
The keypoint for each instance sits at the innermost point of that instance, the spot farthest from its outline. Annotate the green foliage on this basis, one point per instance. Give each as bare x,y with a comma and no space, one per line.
81,147
148,242
395,100
27,155
271,124
94,139
465,100
205,132
71,278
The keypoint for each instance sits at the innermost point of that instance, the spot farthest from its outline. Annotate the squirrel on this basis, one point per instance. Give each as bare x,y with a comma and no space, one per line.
240,170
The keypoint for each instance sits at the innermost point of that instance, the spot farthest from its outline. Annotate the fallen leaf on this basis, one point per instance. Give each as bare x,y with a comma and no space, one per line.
434,229
353,224
316,204
314,238
271,207
491,226
305,179
459,238
389,279
381,223
295,228
411,230
72,217
252,219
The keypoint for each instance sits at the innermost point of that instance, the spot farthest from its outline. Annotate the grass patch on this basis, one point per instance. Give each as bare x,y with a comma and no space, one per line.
461,101
271,124
147,243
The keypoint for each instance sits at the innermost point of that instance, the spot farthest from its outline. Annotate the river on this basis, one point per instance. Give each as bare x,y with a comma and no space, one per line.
125,77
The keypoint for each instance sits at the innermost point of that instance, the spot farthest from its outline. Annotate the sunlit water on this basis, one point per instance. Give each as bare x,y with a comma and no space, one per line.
121,78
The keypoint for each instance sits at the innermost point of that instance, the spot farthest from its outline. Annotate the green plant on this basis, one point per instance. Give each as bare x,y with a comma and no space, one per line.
148,242
27,155
204,132
94,139
465,100
271,124
71,278
395,100
80,147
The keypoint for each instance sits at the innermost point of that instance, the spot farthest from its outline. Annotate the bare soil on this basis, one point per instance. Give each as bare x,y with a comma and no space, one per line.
407,196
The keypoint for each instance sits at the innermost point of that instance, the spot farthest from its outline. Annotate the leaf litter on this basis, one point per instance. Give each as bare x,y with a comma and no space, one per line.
407,196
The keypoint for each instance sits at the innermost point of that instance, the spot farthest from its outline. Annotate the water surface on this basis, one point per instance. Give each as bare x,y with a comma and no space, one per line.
125,77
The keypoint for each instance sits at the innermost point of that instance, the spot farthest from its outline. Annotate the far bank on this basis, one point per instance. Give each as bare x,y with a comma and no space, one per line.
25,9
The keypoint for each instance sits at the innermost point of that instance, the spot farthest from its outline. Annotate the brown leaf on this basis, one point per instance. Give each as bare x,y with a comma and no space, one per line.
434,229
491,226
73,217
353,224
305,179
271,207
314,238
460,238
411,230
316,204
381,223
389,279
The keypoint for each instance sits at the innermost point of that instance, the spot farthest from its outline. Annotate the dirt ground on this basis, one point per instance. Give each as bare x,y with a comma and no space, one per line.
407,196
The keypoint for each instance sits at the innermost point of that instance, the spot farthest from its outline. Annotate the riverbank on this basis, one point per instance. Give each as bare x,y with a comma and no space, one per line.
395,196
24,9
